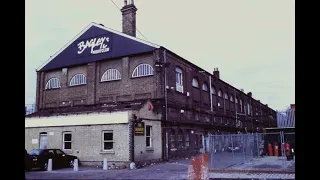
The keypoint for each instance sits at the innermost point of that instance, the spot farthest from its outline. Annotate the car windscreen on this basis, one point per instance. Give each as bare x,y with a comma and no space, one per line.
35,152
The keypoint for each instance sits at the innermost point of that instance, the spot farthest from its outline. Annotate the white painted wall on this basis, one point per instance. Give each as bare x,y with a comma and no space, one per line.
81,119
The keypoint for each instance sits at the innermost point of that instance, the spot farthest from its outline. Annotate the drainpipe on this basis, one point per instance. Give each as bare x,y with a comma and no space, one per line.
131,131
166,100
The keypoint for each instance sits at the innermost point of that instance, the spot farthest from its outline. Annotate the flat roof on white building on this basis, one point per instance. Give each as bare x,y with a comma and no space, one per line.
81,119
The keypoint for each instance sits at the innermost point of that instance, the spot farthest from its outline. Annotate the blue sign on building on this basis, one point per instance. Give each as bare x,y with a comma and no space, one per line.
97,43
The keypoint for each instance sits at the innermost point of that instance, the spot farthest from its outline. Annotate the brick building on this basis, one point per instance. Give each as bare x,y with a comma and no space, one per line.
105,72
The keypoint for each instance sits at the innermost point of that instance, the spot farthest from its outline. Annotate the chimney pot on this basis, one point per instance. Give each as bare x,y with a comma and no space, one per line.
216,73
249,94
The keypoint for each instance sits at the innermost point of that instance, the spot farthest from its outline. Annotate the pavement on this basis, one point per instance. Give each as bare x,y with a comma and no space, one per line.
155,171
169,170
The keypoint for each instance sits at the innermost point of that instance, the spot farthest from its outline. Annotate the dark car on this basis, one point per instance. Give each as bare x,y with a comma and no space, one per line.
39,158
27,160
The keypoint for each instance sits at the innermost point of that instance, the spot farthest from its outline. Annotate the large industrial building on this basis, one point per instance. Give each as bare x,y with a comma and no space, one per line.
109,94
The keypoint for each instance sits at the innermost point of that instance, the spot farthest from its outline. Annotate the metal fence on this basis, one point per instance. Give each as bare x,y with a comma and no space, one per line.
30,108
286,118
237,150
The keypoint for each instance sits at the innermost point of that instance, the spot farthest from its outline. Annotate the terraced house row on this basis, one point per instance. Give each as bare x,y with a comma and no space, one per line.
109,94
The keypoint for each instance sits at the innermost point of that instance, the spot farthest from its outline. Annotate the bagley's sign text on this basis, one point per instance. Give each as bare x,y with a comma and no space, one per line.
97,45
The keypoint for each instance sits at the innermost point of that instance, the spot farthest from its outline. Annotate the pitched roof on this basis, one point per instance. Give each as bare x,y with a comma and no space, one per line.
114,43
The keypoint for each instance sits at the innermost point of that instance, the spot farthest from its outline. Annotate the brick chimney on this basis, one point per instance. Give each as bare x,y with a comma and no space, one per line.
129,18
292,106
216,73
249,94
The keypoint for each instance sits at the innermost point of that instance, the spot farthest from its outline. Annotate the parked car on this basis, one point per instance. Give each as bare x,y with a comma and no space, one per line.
27,161
39,158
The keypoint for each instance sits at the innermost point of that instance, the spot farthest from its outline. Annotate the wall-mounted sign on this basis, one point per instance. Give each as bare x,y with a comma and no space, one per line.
139,129
34,141
95,45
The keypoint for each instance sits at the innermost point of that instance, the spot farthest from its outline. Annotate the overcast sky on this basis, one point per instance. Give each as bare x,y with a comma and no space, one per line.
250,41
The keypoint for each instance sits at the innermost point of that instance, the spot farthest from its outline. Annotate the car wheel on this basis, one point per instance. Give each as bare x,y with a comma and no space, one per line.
71,163
45,167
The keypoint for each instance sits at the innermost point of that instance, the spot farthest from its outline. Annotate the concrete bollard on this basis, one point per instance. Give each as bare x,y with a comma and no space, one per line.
49,168
75,165
132,165
105,164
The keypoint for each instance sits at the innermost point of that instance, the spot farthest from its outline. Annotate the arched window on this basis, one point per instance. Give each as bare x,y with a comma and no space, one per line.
195,82
213,90
249,109
142,70
78,79
179,80
231,98
236,99
111,75
53,83
205,87
220,93
225,95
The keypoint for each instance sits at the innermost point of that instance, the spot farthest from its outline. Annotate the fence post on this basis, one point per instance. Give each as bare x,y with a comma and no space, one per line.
257,139
211,150
244,147
232,147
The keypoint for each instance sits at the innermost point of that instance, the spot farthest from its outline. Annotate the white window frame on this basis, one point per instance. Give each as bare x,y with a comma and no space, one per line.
226,96
237,101
179,79
180,139
231,98
241,108
172,139
213,90
204,87
53,83
78,79
103,141
64,141
111,75
149,136
195,83
187,140
220,93
142,70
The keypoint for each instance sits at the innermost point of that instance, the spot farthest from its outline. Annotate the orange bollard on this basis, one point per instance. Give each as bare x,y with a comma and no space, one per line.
199,168
287,148
276,150
270,149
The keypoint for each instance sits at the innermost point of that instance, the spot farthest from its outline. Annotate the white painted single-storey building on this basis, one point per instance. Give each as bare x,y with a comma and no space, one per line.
120,136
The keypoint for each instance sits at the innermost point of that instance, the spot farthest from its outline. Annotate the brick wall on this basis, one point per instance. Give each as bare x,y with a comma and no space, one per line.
94,92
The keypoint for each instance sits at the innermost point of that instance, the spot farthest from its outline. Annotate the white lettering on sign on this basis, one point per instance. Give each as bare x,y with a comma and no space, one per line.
100,43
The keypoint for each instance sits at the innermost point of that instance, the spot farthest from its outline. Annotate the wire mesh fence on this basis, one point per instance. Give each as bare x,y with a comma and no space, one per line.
30,108
237,150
